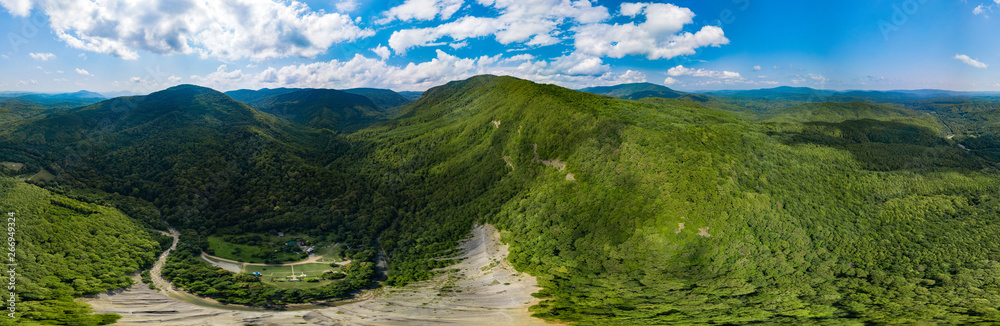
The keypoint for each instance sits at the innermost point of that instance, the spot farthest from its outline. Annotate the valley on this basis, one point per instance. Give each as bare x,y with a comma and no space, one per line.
496,200
515,162
482,290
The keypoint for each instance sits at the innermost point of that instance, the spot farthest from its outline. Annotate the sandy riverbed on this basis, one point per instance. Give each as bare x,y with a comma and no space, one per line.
474,295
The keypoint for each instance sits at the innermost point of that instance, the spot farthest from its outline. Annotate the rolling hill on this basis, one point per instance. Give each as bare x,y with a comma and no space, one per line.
324,108
837,112
17,106
719,227
67,248
348,110
385,99
252,97
635,91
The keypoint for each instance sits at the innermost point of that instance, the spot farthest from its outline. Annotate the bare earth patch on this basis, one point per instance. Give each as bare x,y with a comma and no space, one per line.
570,177
556,163
680,226
507,159
227,265
496,123
485,290
704,232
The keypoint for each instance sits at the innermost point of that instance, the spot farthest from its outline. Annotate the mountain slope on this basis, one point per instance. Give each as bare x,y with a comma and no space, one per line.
666,212
253,97
635,91
67,248
383,98
324,108
212,166
655,211
204,158
28,105
834,112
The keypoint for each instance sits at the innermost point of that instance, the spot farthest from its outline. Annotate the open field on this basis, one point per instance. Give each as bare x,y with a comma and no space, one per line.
12,165
254,254
331,253
282,276
43,175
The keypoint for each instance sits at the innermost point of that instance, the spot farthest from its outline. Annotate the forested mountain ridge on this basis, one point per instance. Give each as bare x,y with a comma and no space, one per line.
657,211
204,158
324,108
250,97
721,229
26,105
837,112
635,91
68,248
385,99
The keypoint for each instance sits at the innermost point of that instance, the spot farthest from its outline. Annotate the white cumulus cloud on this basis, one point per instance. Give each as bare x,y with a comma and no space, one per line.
228,30
42,56
978,10
422,10
346,5
17,7
533,23
573,71
83,72
684,71
970,61
659,36
381,51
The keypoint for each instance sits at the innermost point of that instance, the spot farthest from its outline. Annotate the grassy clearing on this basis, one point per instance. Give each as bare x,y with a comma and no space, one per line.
12,165
281,276
43,175
331,253
272,250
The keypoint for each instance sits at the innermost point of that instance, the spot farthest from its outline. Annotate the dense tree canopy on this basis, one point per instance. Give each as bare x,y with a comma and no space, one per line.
656,211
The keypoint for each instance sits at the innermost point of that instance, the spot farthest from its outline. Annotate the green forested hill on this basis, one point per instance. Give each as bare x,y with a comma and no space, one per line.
680,214
656,211
837,112
67,248
213,166
635,91
206,160
324,108
28,105
251,97
385,99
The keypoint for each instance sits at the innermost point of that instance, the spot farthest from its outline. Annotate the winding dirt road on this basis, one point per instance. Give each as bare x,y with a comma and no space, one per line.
156,271
240,264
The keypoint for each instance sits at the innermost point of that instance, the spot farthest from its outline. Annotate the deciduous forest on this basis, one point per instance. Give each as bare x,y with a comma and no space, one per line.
739,208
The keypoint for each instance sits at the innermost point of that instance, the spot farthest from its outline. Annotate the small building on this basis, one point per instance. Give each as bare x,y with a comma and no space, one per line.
281,234
290,243
257,274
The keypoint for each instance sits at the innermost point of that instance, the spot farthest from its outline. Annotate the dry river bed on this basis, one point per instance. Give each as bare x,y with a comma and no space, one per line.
485,290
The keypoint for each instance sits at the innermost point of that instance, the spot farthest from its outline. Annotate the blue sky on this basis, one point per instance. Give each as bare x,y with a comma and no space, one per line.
146,45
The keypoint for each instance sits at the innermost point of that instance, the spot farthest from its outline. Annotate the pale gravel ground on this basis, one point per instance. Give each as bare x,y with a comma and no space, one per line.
483,300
